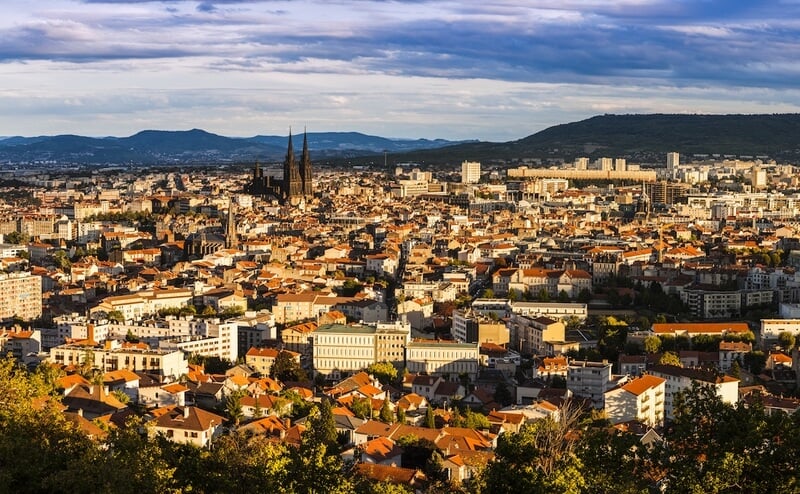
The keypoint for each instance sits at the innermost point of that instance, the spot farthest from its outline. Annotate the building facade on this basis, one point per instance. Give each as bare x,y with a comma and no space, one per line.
20,296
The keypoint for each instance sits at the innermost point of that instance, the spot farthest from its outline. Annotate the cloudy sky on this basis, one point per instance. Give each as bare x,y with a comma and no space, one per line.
490,70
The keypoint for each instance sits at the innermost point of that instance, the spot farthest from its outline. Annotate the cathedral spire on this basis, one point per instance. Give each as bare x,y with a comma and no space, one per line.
306,173
292,178
230,227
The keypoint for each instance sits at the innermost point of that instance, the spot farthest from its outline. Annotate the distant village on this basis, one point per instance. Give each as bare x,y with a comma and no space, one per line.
454,305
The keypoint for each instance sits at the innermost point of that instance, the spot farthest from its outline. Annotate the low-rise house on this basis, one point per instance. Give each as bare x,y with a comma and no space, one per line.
188,424
123,380
381,451
163,395
262,359
732,351
92,401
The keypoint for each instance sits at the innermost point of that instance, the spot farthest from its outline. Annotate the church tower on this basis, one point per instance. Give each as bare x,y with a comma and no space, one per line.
292,182
306,173
230,227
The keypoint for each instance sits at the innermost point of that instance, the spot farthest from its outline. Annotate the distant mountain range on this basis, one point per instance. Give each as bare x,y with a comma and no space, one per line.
641,138
164,147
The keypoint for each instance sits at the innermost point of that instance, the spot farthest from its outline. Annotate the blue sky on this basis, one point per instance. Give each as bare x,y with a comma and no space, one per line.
496,70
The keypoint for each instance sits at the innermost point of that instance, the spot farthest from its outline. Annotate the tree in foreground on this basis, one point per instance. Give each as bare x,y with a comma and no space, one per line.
542,456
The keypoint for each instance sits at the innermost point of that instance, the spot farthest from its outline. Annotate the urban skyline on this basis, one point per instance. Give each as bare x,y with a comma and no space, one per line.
401,69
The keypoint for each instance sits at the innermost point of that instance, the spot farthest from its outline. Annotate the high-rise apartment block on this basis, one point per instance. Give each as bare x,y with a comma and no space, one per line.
673,160
470,172
20,296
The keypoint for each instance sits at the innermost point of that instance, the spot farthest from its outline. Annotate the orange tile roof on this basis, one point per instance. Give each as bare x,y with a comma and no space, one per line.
701,327
642,384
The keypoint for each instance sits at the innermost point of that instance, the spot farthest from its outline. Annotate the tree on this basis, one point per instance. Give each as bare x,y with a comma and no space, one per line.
755,361
584,296
385,372
61,260
543,295
233,406
502,395
787,340
17,238
542,456
315,466
287,368
670,358
652,344
115,316
121,396
475,420
430,419
736,369
401,415
386,413
362,407
609,458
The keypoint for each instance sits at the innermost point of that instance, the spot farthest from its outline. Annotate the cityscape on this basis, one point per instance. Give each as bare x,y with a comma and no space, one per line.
610,304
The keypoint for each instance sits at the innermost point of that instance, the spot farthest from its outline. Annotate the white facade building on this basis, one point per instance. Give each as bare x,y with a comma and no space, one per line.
641,399
679,379
470,172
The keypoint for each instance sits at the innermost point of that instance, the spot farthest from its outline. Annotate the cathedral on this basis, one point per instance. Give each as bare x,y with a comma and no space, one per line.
297,178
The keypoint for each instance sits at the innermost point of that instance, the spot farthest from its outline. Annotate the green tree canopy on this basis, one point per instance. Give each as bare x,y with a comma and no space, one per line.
287,368
670,358
385,372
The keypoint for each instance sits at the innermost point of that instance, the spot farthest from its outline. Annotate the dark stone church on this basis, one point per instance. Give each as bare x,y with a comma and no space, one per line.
296,184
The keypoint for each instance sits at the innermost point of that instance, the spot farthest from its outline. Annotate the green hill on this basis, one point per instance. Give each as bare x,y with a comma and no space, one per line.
645,138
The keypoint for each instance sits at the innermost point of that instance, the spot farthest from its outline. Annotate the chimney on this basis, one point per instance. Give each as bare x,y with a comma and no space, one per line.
287,423
80,412
186,412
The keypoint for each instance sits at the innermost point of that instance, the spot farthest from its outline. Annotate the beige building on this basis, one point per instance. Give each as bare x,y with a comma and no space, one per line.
641,400
114,356
190,425
531,334
298,338
261,359
20,296
443,358
470,326
340,350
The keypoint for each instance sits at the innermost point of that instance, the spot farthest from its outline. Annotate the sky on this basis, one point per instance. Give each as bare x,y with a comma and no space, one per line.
494,70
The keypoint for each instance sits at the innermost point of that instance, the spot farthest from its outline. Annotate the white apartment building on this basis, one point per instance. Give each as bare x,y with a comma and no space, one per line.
20,296
590,380
12,250
114,356
340,350
550,309
771,328
679,379
141,304
470,172
208,337
443,358
641,399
